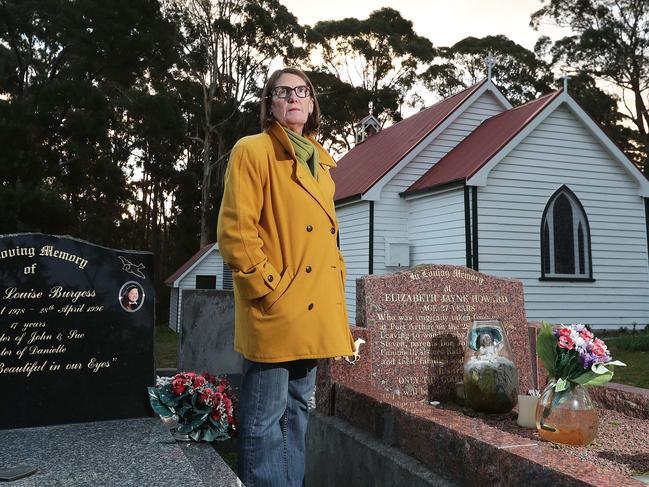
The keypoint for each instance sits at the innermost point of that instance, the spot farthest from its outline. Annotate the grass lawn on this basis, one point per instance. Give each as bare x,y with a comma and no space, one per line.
166,348
636,372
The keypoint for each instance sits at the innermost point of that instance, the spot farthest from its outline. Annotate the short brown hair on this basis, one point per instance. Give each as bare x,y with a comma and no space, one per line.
266,116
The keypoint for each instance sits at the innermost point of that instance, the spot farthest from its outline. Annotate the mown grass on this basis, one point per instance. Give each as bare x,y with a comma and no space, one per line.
166,348
632,348
636,372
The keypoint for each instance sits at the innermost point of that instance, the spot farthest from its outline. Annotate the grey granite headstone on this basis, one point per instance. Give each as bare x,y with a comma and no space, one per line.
207,334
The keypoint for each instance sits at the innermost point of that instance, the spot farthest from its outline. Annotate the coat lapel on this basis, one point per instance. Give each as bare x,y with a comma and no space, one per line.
303,177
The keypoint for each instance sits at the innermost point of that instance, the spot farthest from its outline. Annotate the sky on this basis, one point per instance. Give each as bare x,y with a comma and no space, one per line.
443,22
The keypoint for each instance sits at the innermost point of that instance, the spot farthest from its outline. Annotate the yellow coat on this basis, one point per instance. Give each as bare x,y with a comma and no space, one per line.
277,231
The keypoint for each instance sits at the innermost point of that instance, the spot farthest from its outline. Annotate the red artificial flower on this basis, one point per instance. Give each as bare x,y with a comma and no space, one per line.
586,334
216,414
566,342
178,386
565,331
599,347
206,395
198,382
209,377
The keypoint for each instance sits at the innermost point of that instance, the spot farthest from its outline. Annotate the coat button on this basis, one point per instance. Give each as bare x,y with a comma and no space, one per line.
270,278
309,228
310,306
308,268
333,230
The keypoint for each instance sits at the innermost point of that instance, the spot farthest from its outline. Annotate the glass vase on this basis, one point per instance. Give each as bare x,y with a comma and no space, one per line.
566,417
490,375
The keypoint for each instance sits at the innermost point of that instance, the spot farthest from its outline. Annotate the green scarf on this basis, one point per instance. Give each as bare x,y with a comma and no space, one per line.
305,151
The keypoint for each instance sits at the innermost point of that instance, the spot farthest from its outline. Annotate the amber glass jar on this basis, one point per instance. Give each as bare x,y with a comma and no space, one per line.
568,416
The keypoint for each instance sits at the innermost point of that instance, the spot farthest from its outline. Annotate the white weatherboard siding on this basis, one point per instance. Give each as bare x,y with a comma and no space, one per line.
436,229
173,309
392,212
354,225
211,265
561,151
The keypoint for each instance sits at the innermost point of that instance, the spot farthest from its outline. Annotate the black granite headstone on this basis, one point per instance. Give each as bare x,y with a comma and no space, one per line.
76,331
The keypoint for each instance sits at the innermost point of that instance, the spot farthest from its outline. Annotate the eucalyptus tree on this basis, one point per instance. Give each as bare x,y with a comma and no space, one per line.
68,70
227,47
355,62
519,74
611,44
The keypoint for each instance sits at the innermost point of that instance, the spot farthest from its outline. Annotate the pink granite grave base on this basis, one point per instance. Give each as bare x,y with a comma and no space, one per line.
468,450
632,401
387,392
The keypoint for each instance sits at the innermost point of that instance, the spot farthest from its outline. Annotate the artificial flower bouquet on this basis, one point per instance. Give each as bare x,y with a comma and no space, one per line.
203,405
573,355
575,359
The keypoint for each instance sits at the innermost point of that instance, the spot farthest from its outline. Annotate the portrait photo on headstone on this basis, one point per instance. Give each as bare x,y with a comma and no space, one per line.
131,296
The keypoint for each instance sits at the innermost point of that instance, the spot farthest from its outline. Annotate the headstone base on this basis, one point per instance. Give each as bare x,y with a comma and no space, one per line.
120,452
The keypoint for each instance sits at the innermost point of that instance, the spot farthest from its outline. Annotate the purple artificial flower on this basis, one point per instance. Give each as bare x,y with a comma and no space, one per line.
587,359
590,355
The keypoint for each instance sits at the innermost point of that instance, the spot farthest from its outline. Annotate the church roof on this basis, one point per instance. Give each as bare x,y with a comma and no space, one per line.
368,162
465,159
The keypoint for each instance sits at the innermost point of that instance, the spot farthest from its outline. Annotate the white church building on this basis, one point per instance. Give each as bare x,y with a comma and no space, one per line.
536,192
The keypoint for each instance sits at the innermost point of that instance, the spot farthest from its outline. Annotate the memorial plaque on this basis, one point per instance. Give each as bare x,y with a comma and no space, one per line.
418,321
76,331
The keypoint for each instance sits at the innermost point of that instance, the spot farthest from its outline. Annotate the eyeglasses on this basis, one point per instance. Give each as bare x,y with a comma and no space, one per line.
301,91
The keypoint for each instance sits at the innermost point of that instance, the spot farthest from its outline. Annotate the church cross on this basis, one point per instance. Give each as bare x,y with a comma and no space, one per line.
490,62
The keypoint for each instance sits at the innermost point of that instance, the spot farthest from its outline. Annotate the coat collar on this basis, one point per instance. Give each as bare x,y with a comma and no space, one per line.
277,131
305,179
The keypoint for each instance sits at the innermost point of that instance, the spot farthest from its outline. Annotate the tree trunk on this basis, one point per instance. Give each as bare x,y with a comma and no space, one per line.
205,189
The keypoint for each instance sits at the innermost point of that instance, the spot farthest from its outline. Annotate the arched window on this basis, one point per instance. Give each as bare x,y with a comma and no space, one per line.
565,238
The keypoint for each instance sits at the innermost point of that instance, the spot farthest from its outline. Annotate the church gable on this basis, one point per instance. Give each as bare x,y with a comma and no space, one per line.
562,147
484,107
562,153
365,169
430,151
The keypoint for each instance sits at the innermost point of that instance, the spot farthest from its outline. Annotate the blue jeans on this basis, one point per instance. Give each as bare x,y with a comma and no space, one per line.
273,416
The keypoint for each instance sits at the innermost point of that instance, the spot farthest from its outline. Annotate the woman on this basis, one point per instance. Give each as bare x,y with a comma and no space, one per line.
277,231
130,297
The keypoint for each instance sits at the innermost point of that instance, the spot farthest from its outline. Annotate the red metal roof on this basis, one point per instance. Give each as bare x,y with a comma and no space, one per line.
183,268
368,162
465,159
